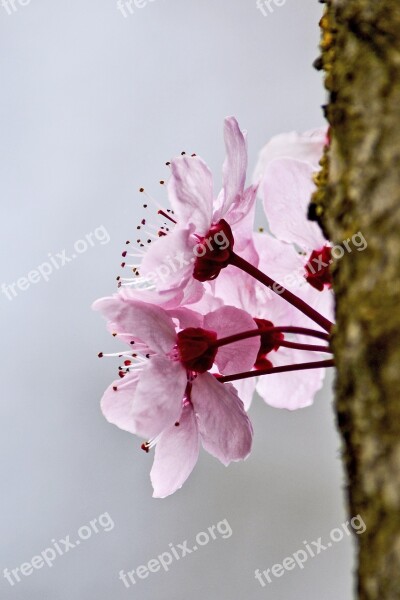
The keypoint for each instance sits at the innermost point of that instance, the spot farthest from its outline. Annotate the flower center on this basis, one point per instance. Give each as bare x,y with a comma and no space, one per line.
196,349
317,268
213,252
268,343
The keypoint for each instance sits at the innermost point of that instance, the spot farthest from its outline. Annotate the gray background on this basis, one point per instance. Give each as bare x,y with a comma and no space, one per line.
92,105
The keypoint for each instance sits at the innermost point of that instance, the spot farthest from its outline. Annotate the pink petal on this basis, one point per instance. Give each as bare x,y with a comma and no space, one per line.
241,214
308,147
225,429
176,454
323,302
286,266
184,317
191,192
236,288
277,258
147,322
167,299
235,165
241,217
287,188
168,262
157,403
291,390
116,405
245,389
208,302
239,356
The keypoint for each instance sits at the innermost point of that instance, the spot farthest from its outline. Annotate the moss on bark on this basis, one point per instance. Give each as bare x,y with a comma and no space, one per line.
359,190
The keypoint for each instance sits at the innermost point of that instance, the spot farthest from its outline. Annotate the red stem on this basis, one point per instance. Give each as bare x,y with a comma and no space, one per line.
294,300
297,346
321,364
255,332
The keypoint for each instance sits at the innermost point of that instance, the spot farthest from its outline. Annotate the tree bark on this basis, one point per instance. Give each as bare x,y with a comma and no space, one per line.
359,191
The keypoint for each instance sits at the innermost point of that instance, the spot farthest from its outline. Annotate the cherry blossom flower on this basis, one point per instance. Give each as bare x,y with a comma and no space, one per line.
206,227
293,390
285,170
169,395
214,323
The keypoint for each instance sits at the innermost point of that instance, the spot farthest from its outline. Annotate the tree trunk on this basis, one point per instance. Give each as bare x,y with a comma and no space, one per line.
359,191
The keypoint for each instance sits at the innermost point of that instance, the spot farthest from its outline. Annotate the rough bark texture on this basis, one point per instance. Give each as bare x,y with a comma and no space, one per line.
359,190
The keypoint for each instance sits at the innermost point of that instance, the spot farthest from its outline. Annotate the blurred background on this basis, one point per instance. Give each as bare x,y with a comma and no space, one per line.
95,98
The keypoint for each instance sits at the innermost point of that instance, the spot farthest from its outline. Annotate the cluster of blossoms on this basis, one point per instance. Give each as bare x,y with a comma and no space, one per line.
215,310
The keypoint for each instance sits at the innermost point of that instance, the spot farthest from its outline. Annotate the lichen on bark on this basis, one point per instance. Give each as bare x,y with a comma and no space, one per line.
359,191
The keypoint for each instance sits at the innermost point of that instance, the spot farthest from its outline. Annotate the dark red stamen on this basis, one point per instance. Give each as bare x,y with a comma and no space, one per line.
164,214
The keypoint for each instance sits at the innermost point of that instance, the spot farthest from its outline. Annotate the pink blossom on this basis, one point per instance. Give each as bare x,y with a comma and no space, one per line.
285,170
294,390
206,276
201,236
170,397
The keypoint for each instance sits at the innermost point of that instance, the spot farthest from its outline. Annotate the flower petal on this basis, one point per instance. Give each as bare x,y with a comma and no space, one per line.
239,356
116,403
287,267
191,192
292,390
245,389
286,189
307,146
157,403
176,454
235,165
241,214
146,322
225,429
